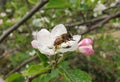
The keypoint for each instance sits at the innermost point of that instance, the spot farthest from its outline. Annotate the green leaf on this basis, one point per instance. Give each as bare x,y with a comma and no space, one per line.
16,77
35,69
64,64
75,75
79,76
47,77
42,78
18,58
58,4
33,1
43,58
74,1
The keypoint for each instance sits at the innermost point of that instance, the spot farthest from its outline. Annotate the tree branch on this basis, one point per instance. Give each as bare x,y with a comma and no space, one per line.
24,19
93,21
22,65
100,24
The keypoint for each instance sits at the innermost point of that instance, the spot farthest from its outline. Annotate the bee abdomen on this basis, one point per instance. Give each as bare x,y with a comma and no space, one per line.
58,42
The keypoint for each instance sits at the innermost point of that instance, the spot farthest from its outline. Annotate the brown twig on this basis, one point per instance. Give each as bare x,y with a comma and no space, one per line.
98,25
24,19
117,5
93,21
21,65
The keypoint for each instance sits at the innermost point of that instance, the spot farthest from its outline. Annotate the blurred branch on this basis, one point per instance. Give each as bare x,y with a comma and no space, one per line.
107,11
22,65
95,23
23,20
89,22
113,7
100,24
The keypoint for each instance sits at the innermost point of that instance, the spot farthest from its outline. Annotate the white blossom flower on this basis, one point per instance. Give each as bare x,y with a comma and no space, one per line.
42,11
34,34
45,41
54,16
11,34
8,10
116,24
92,0
45,19
31,53
2,14
82,1
114,3
81,29
39,22
98,9
27,66
67,12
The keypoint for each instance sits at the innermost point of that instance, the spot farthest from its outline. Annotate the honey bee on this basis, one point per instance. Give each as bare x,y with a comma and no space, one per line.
63,38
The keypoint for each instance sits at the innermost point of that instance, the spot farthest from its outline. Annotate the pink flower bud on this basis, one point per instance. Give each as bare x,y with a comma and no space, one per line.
35,44
85,42
85,47
86,50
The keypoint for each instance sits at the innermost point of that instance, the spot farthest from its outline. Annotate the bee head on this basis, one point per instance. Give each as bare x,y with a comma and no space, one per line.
70,36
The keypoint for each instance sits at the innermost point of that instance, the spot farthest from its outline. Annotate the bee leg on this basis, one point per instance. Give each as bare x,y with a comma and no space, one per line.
72,39
68,46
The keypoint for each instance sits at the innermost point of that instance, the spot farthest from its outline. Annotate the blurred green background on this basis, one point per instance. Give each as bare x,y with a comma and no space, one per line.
103,66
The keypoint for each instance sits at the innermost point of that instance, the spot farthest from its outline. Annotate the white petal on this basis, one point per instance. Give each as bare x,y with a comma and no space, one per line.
47,51
58,30
41,33
63,50
77,37
63,45
35,44
43,36
72,47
